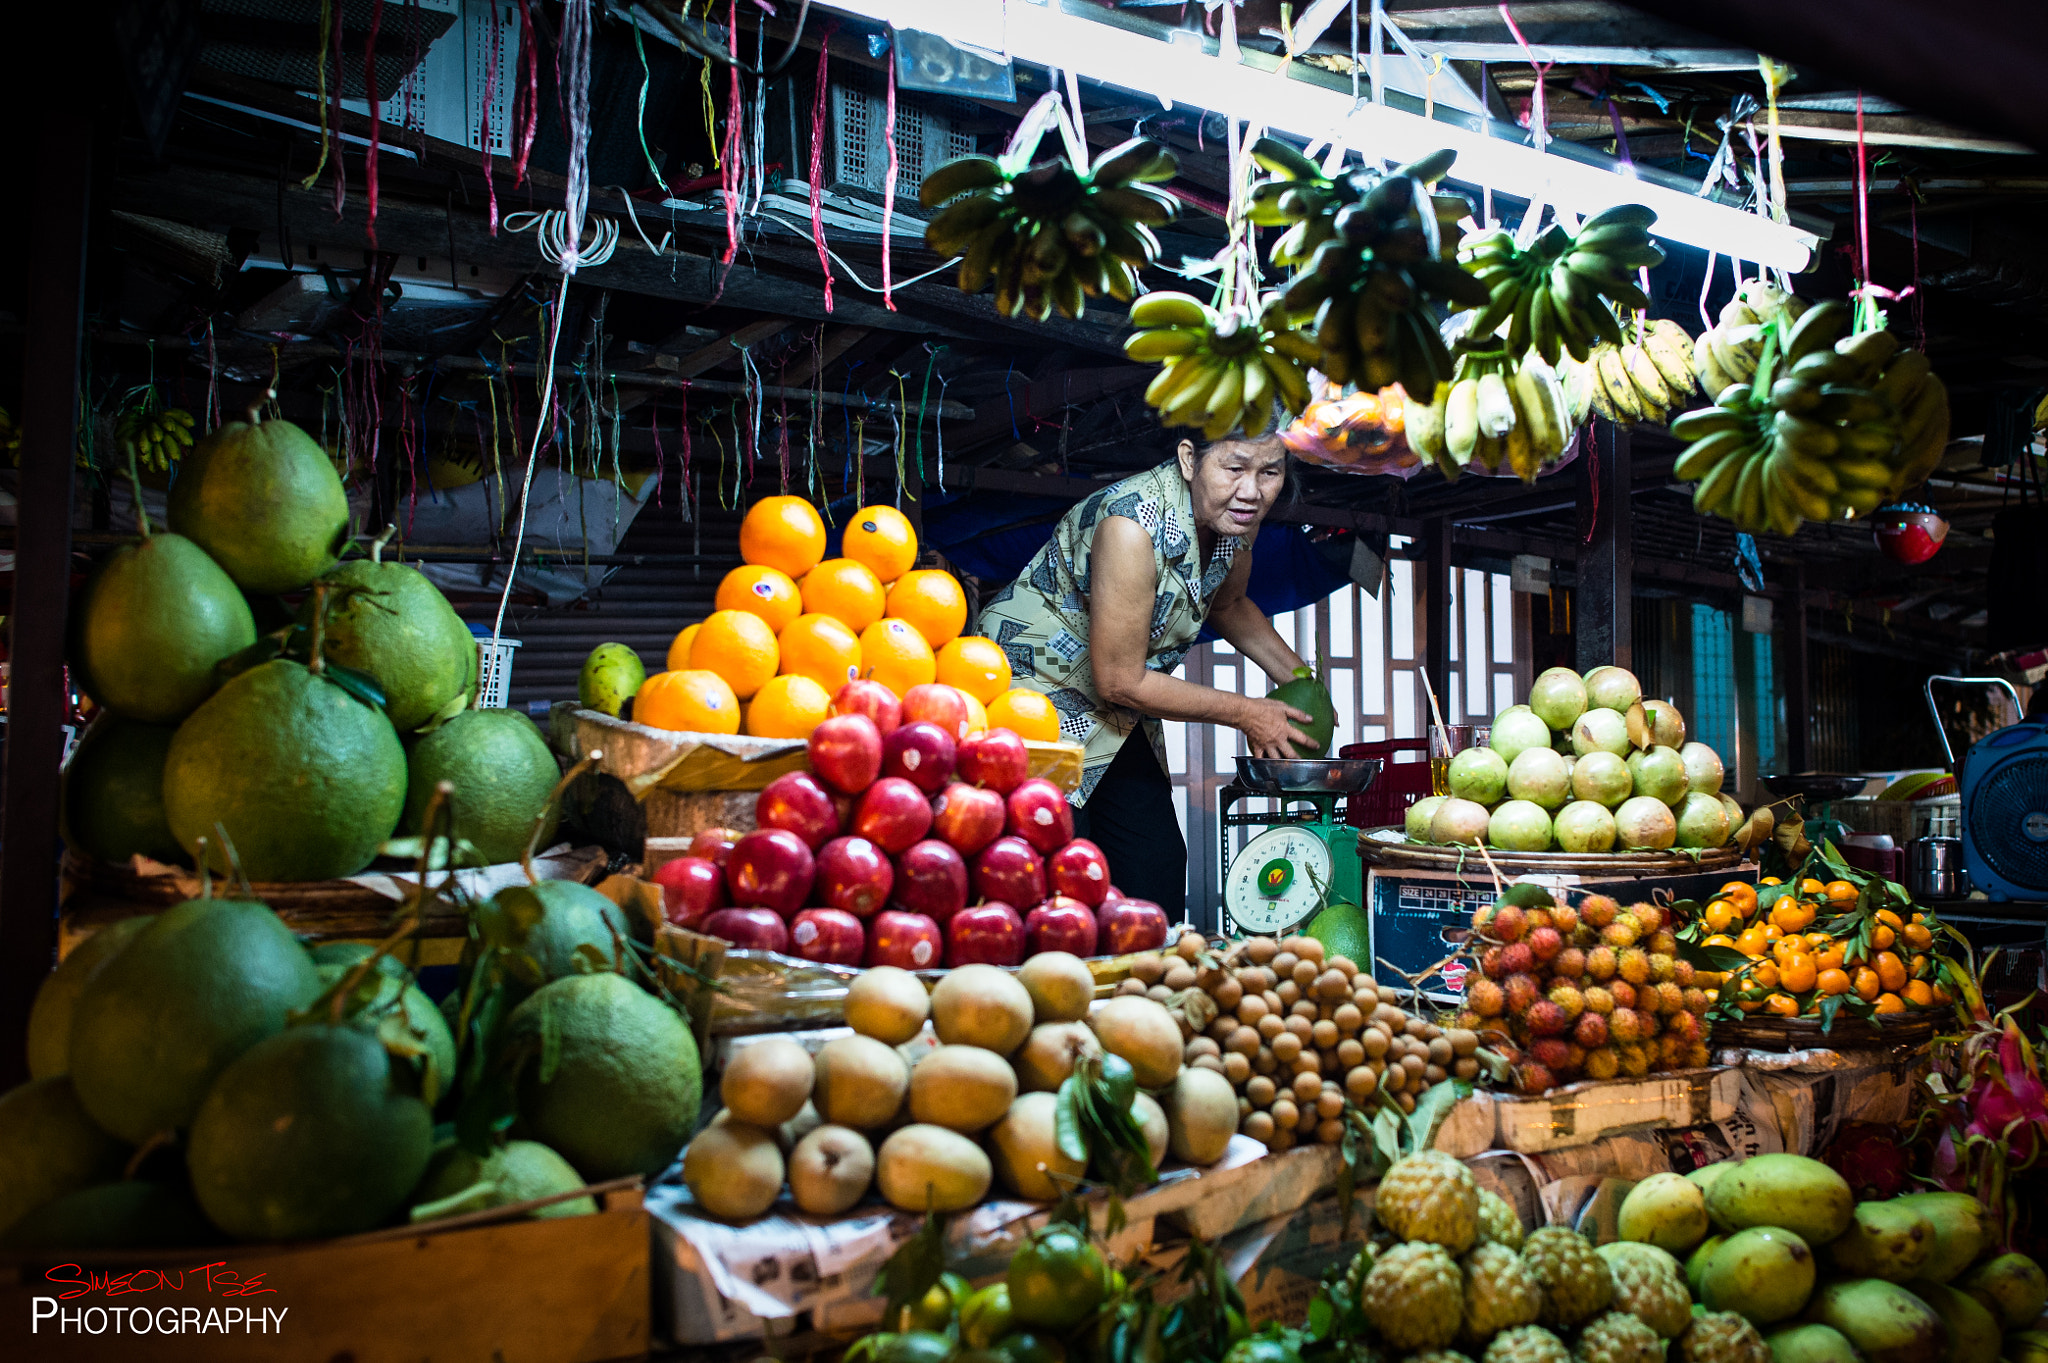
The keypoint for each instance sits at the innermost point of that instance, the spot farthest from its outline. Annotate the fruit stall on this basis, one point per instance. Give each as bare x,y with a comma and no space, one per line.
538,822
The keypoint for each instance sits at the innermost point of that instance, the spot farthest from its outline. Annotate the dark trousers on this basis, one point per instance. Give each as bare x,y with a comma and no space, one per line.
1130,817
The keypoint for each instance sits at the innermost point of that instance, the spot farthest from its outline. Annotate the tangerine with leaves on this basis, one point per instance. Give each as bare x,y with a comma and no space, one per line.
1832,980
783,533
846,590
765,592
882,538
691,700
931,600
738,646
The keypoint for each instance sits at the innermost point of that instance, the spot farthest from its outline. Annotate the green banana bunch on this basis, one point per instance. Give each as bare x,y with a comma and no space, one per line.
1831,427
1051,237
1552,296
1727,354
159,439
1300,197
1219,370
1372,280
1492,412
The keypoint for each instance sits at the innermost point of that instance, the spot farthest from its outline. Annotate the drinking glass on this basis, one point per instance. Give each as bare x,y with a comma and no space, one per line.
1446,741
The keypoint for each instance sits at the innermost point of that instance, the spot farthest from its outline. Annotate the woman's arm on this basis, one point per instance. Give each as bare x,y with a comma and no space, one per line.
1238,619
1122,587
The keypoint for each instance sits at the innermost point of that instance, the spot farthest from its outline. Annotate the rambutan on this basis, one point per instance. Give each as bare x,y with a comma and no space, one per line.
1696,1001
1482,916
1602,1063
1670,999
1574,1057
1545,943
1486,998
1634,965
1625,1026
1620,933
1635,1061
1662,940
1590,1031
1570,964
1648,917
1670,1051
1509,923
1697,1056
1490,962
1538,918
1565,919
1517,959
1602,962
1599,1000
1546,1018
1531,1077
1522,993
1624,993
1685,1027
1682,972
1551,1053
1598,911
1468,1019
1662,967
1568,998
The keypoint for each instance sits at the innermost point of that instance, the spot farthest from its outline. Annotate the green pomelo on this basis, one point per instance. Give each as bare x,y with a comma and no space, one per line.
265,501
1306,692
153,623
49,1021
156,1025
625,1083
1962,1228
1519,826
1540,776
553,921
1515,730
1974,1334
422,1018
1884,1240
1801,1195
1603,778
518,1171
133,1215
1612,688
1703,770
1667,726
113,792
1460,822
308,1134
502,772
397,627
1810,1344
2011,1287
1558,698
611,676
1645,822
50,1146
1764,1273
1344,930
348,953
1415,823
1479,775
1659,773
1885,1322
1584,826
1702,821
306,780
1601,731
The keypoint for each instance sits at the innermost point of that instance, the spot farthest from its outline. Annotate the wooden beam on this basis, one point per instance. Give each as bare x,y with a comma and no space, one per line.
707,358
835,344
1891,131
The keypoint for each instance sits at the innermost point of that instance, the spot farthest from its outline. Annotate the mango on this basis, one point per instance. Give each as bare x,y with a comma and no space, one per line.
1962,1230
1696,1265
1810,1344
2027,1346
1885,1322
1764,1273
1792,1192
1708,1174
1665,1210
2011,1287
1885,1240
1973,1332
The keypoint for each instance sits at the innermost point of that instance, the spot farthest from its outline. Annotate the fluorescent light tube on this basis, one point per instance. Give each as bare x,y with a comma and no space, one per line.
1045,35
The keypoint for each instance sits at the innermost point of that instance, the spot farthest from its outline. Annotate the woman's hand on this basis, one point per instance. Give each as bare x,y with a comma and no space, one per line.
1266,726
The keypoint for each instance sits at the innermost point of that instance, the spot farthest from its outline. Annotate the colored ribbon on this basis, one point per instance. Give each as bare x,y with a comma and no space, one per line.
524,128
889,186
483,140
823,87
376,114
729,162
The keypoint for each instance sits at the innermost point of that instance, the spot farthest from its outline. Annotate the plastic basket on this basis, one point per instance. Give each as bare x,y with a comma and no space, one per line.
1399,785
494,664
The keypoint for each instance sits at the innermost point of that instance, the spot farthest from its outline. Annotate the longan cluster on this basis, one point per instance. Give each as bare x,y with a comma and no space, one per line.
1299,1033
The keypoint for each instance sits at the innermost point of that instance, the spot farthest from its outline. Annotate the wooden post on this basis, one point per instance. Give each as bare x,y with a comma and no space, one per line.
1605,602
1436,617
58,205
1798,682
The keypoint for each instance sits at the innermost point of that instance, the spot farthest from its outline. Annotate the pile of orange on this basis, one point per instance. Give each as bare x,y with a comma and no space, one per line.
1799,961
790,627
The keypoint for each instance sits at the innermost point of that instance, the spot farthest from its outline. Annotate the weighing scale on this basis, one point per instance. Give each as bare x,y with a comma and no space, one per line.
1271,886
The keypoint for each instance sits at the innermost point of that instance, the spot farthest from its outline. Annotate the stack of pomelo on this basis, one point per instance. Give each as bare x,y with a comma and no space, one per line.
792,627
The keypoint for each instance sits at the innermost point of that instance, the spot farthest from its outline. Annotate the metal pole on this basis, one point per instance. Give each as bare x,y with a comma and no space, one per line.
1605,605
1436,614
1798,681
36,706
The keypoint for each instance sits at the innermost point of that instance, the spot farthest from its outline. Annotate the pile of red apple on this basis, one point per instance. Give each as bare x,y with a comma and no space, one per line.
910,842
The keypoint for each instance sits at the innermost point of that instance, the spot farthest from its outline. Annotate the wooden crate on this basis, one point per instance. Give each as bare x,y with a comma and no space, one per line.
492,1287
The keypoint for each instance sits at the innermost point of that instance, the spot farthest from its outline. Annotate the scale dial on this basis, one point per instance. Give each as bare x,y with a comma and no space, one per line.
1268,888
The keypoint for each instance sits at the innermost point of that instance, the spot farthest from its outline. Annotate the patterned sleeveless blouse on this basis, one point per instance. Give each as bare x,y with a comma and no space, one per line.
1041,619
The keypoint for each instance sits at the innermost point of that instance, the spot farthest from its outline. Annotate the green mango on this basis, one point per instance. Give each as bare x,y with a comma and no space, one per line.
1885,1322
1885,1240
1973,1332
1962,1230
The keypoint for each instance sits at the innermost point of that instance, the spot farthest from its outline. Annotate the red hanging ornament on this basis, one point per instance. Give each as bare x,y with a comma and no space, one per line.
1909,532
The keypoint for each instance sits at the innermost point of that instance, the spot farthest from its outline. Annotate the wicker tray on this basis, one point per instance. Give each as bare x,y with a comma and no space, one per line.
1756,1033
1424,857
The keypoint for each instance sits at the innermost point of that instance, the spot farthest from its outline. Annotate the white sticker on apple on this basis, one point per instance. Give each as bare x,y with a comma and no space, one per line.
1094,870
922,953
911,757
1041,816
806,933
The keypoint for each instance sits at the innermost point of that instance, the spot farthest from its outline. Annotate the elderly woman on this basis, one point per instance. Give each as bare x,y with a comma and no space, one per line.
1104,613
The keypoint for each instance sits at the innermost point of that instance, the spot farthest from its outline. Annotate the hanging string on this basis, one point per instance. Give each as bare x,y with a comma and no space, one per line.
575,48
526,104
858,456
683,424
1870,317
710,110
1776,76
497,443
483,139
320,71
782,438
640,121
729,169
889,185
654,429
340,162
924,399
939,433
902,436
1707,286
376,112
818,164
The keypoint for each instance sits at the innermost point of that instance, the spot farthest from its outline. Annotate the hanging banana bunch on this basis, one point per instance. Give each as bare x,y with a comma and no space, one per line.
1551,295
1829,428
1373,255
158,439
1220,369
1640,380
1050,237
1727,353
1496,413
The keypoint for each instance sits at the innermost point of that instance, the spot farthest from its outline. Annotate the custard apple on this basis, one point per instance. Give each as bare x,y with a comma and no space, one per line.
1576,1282
1437,1356
1430,1196
1649,1285
1500,1292
1498,1221
1618,1337
1414,1296
1527,1344
1721,1337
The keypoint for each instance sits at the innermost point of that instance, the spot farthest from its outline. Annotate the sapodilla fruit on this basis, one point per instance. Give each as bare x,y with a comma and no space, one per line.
922,1168
1144,1034
734,1170
1028,1159
860,1082
767,1083
887,1003
986,1006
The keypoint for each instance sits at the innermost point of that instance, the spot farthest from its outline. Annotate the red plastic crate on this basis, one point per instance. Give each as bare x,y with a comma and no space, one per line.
1403,779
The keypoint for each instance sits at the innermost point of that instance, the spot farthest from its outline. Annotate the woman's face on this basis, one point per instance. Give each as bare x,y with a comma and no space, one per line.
1235,485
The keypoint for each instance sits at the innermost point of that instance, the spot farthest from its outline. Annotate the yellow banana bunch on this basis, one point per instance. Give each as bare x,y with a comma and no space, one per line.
1640,380
158,439
1727,353
1492,412
1219,370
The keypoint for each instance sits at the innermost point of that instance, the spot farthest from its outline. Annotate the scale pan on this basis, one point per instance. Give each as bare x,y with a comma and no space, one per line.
1318,775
